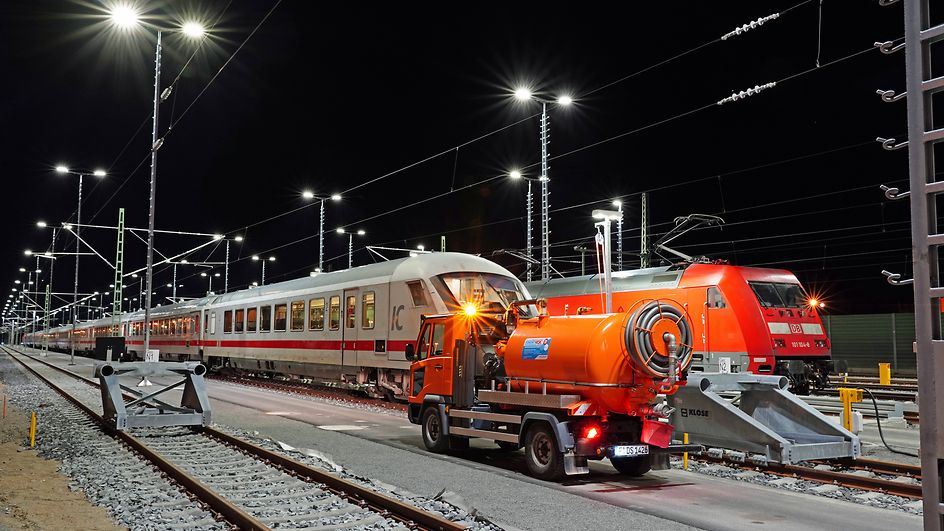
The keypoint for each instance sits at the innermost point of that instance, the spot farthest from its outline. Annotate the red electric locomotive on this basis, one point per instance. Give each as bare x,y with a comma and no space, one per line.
745,319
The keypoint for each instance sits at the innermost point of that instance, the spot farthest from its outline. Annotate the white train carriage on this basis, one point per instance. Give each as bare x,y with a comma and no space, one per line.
347,328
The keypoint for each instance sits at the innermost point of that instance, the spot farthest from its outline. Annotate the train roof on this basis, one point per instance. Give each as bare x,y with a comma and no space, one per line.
635,279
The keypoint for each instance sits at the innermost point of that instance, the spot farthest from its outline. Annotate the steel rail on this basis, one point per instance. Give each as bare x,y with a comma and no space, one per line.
381,503
884,486
227,510
883,467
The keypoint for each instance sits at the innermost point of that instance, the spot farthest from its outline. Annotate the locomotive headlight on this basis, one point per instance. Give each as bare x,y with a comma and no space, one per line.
470,310
813,303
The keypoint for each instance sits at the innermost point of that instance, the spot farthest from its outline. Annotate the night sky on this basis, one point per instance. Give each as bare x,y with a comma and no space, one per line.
372,102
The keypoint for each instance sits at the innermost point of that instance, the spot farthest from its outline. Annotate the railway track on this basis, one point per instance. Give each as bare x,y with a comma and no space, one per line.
886,480
250,487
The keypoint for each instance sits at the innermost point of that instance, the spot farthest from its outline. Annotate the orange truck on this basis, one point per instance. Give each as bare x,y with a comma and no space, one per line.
568,389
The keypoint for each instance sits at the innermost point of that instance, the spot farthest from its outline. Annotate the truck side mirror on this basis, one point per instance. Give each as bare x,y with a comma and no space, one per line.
409,352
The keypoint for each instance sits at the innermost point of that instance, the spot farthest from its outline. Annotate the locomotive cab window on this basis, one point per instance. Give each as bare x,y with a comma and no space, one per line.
281,313
227,321
417,293
349,312
265,319
298,316
251,319
716,298
779,295
335,313
367,310
316,314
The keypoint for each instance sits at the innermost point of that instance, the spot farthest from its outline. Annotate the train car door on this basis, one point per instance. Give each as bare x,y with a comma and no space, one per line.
349,328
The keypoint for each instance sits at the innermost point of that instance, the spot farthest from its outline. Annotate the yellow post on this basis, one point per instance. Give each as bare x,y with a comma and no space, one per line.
848,396
32,430
884,374
685,454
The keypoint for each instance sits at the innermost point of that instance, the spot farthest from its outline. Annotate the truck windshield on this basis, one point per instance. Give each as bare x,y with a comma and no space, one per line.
779,295
491,293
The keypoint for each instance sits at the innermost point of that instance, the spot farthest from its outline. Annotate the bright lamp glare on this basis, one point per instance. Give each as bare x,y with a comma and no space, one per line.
565,100
470,310
307,194
62,169
336,197
515,174
617,202
41,224
124,16
523,94
193,29
339,230
813,302
361,233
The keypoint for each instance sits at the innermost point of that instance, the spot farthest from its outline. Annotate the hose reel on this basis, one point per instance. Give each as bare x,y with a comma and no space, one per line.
645,332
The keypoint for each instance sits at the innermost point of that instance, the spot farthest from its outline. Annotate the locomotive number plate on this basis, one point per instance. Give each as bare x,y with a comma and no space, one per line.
631,450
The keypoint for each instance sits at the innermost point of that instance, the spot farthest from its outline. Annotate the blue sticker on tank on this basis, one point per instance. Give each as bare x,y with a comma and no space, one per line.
535,348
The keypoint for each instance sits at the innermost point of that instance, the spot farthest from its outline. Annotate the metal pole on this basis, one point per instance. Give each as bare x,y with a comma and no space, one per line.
644,233
226,270
46,323
75,290
263,272
321,219
894,344
545,198
350,251
154,148
619,238
210,289
528,231
173,293
607,265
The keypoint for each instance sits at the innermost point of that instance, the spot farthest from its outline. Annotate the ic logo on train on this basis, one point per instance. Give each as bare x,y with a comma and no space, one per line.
692,412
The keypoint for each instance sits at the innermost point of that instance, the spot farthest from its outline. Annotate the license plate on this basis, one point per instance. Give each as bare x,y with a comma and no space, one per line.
630,450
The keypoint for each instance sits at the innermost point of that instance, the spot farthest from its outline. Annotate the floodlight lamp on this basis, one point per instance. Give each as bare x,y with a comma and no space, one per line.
565,100
335,197
62,169
272,259
124,16
194,30
67,226
216,275
255,257
28,252
203,274
308,194
170,285
522,94
617,203
22,270
515,174
339,230
361,232
238,238
217,237
41,224
184,261
421,247
605,214
99,173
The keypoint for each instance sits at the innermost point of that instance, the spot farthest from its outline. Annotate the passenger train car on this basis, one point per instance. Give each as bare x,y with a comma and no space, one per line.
347,328
750,319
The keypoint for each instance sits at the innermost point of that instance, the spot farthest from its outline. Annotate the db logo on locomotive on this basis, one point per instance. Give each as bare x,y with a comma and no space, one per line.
796,328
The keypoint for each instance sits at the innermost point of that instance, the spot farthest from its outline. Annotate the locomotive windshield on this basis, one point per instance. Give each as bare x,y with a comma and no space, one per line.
779,295
491,293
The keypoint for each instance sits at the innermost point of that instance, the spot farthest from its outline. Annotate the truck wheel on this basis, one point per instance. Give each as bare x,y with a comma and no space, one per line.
545,460
632,466
433,436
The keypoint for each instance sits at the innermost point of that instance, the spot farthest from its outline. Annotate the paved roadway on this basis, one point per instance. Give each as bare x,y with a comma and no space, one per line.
387,447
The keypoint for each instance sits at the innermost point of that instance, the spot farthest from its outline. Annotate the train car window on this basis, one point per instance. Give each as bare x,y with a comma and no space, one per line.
422,350
251,319
186,325
281,312
334,313
227,321
417,293
715,298
298,316
349,316
367,310
172,326
206,325
316,314
240,321
439,330
265,319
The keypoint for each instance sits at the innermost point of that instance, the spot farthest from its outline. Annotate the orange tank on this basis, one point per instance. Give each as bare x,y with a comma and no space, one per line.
619,362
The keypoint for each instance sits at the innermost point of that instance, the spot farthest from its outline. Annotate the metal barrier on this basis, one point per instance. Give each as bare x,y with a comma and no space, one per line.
755,414
146,410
